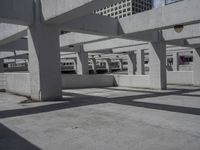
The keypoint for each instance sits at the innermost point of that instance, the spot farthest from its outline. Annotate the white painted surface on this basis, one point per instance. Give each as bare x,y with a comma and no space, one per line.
140,81
179,77
87,81
18,83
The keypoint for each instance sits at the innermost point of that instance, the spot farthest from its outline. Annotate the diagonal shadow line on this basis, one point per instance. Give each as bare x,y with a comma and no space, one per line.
190,95
10,140
165,107
80,100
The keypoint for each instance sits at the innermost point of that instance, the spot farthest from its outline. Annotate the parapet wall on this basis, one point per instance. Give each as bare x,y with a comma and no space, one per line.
87,81
180,77
19,83
140,81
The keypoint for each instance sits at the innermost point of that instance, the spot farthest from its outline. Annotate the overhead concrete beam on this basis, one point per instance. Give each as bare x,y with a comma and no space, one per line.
93,24
21,56
60,11
10,32
193,41
189,31
78,38
144,46
21,44
162,18
110,44
17,11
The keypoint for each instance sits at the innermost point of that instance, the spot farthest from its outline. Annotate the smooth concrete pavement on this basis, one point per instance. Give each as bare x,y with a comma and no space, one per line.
112,118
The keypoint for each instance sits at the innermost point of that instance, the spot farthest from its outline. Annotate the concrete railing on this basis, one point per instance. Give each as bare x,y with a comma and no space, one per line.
87,81
19,83
140,81
180,77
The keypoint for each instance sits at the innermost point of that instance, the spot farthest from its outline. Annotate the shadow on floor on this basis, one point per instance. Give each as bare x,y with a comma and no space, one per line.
79,100
9,140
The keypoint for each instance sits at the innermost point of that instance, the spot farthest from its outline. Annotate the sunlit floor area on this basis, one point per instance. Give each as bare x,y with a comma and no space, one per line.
113,118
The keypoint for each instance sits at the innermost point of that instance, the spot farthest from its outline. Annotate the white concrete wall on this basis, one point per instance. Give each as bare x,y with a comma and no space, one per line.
3,82
87,81
179,77
140,81
18,83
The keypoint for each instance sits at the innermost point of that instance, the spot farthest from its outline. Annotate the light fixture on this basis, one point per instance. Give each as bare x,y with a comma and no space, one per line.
178,28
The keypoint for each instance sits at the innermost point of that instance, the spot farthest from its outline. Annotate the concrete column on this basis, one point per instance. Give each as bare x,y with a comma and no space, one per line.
75,64
131,63
158,77
108,67
94,67
121,64
196,67
140,62
82,61
44,60
175,61
1,66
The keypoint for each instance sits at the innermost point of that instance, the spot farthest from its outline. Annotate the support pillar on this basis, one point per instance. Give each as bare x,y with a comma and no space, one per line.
44,60
158,77
1,66
94,67
131,63
121,64
196,67
82,61
75,64
140,62
108,67
175,61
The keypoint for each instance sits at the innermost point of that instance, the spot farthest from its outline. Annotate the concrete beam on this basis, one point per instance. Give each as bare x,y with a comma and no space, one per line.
17,11
193,41
10,32
93,24
162,18
78,38
189,31
21,56
21,44
60,11
110,44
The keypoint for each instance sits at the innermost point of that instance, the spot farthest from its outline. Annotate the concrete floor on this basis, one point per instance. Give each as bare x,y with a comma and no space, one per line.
104,119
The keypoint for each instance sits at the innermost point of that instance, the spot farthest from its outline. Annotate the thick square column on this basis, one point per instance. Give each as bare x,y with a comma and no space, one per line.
140,62
196,67
158,77
1,66
131,63
94,67
175,61
82,61
44,59
44,62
